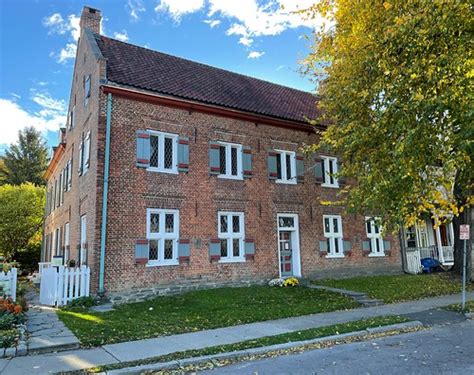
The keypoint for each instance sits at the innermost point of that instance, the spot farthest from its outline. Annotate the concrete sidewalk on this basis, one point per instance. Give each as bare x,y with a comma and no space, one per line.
142,349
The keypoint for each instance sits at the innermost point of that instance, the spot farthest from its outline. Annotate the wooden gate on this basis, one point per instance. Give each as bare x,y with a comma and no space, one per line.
60,285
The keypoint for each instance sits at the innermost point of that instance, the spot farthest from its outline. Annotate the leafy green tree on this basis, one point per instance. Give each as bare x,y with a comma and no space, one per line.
21,218
25,161
396,80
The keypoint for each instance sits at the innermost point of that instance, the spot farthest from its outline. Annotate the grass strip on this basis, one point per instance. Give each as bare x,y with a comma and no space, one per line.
197,311
307,334
469,308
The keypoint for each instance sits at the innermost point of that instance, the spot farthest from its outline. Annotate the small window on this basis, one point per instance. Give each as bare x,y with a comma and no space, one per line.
230,160
163,152
87,89
329,169
230,227
410,237
72,118
162,235
286,167
372,226
333,233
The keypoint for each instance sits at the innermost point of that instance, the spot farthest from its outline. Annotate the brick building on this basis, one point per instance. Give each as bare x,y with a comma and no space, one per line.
202,176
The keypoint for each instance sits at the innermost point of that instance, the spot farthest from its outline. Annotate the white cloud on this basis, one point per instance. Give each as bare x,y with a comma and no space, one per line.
178,8
136,7
255,55
213,23
123,36
50,116
56,24
247,42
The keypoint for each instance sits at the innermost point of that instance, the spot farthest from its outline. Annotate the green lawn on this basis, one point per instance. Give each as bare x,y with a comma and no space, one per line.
307,334
397,288
199,310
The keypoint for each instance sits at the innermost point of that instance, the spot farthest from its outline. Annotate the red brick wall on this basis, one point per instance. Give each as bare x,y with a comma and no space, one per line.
200,196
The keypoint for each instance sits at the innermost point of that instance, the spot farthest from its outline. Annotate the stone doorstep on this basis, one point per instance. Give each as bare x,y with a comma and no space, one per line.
180,363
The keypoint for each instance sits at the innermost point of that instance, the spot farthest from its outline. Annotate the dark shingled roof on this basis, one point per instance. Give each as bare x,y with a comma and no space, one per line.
170,75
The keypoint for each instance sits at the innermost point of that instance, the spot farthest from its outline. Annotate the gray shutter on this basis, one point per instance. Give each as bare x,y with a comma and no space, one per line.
299,168
214,249
81,154
143,149
347,246
184,252
366,246
183,154
319,170
340,180
249,249
141,251
272,165
88,149
247,162
387,245
214,160
323,246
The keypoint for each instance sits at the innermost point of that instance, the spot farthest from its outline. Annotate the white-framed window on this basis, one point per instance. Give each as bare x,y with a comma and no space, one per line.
84,154
230,160
373,229
162,228
333,233
66,243
83,239
87,89
329,169
163,152
286,167
72,118
231,232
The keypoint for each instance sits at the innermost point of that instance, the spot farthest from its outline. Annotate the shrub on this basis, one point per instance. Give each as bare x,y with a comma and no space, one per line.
8,338
7,305
81,302
7,320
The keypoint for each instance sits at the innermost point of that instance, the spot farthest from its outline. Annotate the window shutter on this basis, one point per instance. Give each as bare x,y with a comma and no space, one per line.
69,174
272,165
214,164
247,161
340,180
214,249
81,151
183,154
387,245
249,249
366,246
299,168
347,246
319,170
87,150
183,250
323,247
143,149
141,251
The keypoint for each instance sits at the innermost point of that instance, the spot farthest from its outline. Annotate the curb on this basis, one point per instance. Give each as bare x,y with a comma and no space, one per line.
469,315
176,364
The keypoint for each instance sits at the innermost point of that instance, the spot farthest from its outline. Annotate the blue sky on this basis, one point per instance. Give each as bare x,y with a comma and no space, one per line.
259,38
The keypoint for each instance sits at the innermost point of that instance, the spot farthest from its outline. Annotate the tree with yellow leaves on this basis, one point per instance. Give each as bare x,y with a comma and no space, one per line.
396,84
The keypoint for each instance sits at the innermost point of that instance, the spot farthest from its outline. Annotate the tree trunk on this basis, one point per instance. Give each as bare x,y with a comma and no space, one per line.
467,217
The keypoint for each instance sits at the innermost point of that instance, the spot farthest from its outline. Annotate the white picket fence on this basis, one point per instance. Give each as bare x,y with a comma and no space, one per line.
60,285
8,283
413,260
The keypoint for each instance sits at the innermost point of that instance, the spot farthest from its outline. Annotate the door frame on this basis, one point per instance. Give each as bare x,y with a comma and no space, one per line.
295,243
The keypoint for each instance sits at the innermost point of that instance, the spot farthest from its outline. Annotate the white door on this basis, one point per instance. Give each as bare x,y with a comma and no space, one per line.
288,245
83,251
48,286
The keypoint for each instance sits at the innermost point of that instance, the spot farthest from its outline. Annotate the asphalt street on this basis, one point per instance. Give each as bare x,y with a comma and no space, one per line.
442,349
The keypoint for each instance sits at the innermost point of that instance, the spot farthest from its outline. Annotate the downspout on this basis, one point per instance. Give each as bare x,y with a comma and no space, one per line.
105,193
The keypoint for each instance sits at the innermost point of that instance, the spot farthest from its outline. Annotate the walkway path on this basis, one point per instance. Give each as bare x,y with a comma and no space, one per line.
46,332
142,349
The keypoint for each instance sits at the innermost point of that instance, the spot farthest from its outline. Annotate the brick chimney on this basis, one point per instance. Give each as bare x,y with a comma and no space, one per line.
90,18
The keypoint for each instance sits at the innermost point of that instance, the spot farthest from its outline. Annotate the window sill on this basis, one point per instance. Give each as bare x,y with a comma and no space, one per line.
331,256
330,186
161,264
286,182
225,177
158,170
234,260
376,255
